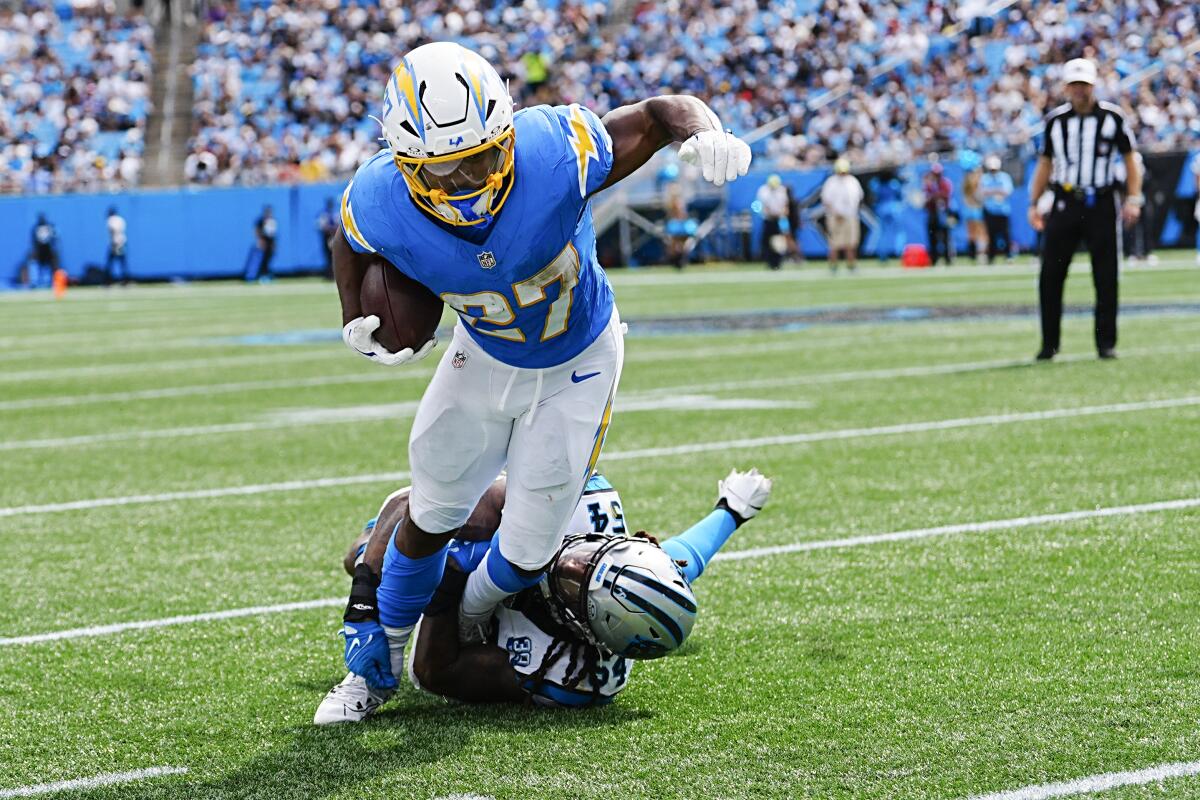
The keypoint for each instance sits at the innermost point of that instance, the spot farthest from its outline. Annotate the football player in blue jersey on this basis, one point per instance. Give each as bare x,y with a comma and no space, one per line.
609,599
489,210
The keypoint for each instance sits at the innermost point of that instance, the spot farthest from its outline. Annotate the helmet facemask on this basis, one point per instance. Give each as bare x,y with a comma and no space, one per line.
464,188
448,121
623,595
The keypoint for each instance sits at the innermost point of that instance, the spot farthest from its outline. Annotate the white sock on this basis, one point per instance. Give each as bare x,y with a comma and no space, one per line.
482,594
397,641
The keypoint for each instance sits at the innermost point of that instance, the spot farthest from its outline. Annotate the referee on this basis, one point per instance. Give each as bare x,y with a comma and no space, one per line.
1082,139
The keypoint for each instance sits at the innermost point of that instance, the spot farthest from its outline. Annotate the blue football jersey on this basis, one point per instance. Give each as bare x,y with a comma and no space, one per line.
531,291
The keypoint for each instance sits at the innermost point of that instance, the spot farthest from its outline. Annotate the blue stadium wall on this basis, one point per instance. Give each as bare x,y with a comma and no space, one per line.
173,233
209,233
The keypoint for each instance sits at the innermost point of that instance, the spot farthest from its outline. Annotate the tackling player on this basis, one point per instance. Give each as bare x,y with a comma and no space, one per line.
490,211
545,647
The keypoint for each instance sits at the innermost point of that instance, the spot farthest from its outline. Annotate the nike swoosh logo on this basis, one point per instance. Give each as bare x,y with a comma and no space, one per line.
576,378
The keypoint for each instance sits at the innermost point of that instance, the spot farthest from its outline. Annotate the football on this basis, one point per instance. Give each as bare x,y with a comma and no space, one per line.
408,312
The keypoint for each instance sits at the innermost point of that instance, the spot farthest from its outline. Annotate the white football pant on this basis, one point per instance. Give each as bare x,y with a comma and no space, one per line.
547,426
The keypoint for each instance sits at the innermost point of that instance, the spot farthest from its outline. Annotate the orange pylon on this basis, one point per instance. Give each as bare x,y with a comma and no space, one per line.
60,283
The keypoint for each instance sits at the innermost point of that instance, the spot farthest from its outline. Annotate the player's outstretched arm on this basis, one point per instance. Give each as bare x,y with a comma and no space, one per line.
640,130
477,673
739,498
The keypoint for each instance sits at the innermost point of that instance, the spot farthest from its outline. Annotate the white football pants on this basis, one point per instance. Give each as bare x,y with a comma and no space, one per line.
546,426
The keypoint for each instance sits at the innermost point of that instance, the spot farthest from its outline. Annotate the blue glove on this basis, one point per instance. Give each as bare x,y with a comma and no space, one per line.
367,653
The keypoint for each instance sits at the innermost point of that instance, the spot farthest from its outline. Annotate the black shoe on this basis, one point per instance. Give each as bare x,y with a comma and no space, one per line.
1108,353
1046,354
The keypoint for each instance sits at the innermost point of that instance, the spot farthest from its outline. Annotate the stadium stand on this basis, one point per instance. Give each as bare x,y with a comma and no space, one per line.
283,90
74,97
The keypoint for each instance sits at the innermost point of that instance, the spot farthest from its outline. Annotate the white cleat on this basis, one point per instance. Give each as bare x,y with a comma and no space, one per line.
350,701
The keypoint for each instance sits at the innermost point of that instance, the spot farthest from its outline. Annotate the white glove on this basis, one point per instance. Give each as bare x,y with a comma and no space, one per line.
358,337
744,493
721,155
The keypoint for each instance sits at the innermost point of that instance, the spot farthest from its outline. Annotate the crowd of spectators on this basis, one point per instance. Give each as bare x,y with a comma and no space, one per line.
985,83
74,96
284,89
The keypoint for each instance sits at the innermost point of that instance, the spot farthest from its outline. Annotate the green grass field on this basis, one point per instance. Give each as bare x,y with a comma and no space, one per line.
155,464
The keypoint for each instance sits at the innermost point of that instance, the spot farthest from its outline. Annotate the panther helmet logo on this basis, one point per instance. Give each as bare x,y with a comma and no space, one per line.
487,259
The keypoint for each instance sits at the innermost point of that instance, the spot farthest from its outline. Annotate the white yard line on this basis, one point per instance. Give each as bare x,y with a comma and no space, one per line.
202,494
186,619
968,527
289,418
903,372
378,376
736,555
84,784
888,430
284,423
1098,783
382,376
208,362
650,452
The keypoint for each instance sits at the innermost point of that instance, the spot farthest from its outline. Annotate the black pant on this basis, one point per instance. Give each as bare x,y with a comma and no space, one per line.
771,229
997,228
939,240
266,251
327,251
114,256
1073,220
264,270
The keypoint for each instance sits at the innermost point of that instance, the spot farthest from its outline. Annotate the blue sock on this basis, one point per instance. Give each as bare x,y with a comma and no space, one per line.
699,543
504,574
407,584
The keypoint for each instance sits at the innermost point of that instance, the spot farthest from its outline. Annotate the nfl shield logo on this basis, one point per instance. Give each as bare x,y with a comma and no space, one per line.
487,259
459,360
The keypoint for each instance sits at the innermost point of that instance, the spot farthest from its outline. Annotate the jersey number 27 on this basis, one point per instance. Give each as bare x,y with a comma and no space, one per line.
496,310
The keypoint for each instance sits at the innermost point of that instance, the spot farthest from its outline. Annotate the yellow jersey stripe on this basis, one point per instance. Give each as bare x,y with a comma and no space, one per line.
600,433
348,223
583,144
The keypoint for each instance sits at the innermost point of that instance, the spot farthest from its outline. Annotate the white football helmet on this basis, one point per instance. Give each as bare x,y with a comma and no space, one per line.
448,119
623,594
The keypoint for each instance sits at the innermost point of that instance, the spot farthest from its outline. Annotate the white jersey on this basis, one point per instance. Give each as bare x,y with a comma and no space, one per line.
577,674
560,668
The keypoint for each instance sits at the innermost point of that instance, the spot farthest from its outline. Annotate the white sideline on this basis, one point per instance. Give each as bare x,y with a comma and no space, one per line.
1098,783
84,784
968,527
736,555
649,452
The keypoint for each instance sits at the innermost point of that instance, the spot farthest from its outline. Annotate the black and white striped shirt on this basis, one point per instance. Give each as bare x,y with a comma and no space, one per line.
1083,147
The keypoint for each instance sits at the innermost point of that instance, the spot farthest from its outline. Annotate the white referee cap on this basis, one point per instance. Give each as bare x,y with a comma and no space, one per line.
1080,70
